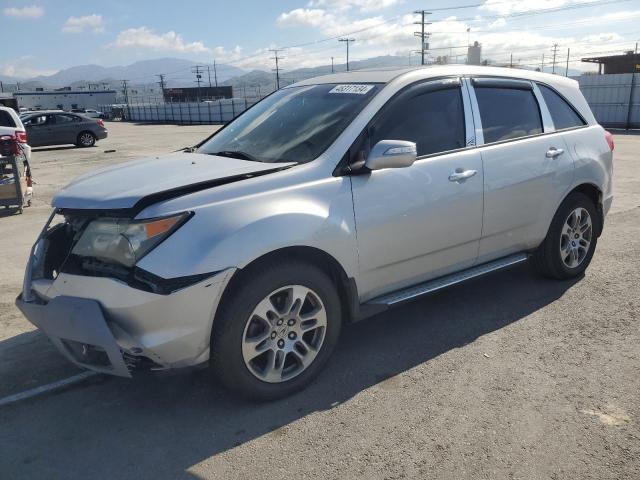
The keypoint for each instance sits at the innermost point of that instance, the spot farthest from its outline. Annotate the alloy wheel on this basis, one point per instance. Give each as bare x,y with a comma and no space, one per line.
284,333
575,238
86,139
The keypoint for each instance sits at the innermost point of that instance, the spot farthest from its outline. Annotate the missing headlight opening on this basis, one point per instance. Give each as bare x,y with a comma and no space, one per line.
107,247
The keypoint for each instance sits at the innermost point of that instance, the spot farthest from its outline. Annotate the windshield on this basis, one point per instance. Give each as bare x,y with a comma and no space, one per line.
294,124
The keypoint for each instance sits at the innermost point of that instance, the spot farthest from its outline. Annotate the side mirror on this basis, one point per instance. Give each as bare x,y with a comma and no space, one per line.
391,154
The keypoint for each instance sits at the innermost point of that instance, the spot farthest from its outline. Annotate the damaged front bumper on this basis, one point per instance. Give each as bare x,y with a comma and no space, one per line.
109,326
77,327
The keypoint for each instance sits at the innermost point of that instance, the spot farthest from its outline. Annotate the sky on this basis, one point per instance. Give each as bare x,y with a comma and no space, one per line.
45,36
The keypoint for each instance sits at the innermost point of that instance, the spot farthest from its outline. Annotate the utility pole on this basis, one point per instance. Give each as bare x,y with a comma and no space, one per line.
277,69
162,84
209,75
197,70
424,45
566,70
125,91
542,64
554,49
215,72
332,62
1,87
511,61
347,41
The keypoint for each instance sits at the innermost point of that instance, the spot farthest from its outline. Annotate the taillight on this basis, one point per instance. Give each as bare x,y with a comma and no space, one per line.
609,138
21,137
101,123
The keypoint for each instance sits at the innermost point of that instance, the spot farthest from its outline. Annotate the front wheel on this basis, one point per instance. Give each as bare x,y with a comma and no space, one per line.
571,241
275,331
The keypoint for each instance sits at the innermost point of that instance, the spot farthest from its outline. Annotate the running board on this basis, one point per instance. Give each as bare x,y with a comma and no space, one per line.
410,293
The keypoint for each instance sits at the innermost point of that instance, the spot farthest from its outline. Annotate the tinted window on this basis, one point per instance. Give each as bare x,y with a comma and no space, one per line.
433,120
61,119
508,113
37,120
562,114
6,120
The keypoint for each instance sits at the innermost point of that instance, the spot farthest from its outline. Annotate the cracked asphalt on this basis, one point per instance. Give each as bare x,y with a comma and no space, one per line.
507,376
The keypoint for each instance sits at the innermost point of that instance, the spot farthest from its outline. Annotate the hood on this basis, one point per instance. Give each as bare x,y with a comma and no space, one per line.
146,181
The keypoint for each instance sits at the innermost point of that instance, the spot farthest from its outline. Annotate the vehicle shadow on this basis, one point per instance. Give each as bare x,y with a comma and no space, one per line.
160,427
53,149
9,212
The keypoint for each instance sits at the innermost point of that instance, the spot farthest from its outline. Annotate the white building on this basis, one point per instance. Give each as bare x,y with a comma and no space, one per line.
64,99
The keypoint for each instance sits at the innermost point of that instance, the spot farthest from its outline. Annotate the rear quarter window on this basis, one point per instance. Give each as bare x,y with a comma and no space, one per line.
562,113
6,120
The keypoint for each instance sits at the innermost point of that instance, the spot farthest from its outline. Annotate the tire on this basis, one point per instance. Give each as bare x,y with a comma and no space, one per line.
238,332
86,139
552,259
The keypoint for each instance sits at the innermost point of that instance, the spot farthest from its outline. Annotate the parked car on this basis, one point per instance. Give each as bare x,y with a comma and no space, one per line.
59,128
88,112
328,201
10,124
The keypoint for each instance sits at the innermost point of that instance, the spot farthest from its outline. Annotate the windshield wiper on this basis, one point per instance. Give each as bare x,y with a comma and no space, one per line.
237,154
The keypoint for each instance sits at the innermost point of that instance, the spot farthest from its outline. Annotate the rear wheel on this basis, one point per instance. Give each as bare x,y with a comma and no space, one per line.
571,241
276,330
86,139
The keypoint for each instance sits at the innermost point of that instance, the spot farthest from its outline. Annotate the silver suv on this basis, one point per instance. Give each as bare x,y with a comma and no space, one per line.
326,202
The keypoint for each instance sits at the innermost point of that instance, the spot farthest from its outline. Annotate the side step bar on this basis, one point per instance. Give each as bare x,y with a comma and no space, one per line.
410,293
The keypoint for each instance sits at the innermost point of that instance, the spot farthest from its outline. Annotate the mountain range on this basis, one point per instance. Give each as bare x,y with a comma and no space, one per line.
180,73
145,71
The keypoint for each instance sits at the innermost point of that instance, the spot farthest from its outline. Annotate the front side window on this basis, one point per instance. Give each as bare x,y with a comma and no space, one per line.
35,121
562,114
294,124
433,120
508,113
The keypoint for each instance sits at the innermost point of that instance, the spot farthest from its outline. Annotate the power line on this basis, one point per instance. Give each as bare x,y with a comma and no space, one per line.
347,41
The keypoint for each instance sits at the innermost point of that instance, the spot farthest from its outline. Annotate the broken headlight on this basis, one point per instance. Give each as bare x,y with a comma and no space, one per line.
123,240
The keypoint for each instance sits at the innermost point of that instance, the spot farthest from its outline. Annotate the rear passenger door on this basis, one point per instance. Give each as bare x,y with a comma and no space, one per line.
419,222
66,128
526,165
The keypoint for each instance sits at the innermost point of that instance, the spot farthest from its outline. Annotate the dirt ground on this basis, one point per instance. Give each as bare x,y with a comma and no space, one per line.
507,376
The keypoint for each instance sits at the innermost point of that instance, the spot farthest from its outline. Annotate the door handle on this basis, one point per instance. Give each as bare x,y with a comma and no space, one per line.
461,175
554,152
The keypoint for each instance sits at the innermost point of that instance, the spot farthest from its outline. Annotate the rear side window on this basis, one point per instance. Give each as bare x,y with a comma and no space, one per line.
6,120
562,114
433,120
508,113
66,119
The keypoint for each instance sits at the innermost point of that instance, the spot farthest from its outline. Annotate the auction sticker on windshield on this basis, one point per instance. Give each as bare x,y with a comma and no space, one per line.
355,89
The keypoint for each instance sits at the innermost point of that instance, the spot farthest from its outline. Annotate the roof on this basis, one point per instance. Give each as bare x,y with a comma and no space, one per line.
41,112
386,75
613,58
63,92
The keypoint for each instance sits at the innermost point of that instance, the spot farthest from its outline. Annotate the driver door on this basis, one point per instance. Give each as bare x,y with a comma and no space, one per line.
38,130
415,223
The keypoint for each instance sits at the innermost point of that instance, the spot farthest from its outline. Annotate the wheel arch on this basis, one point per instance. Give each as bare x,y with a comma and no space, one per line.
594,193
346,287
